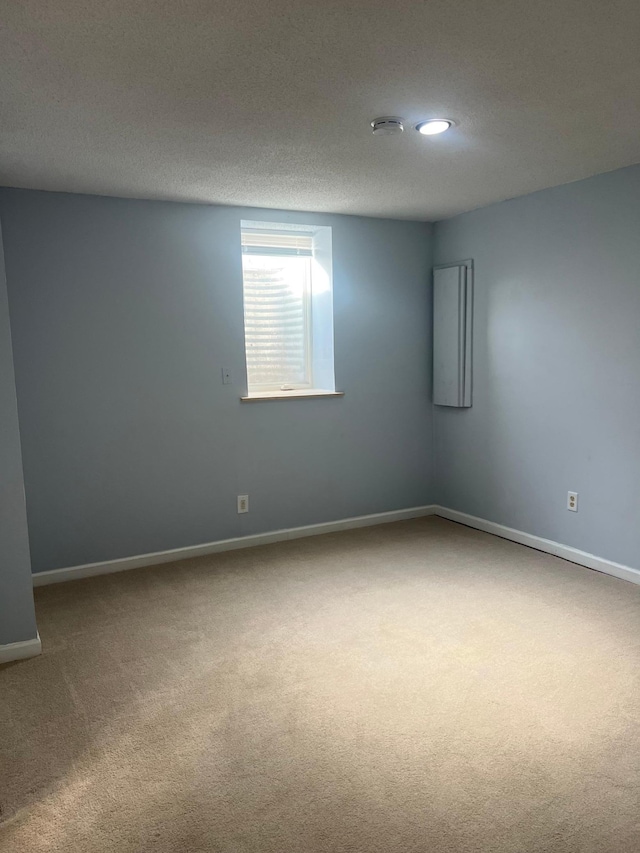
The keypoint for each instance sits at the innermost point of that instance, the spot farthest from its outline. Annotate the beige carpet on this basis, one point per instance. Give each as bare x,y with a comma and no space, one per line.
413,687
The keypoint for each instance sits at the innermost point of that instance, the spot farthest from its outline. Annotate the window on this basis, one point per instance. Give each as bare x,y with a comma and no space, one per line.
288,309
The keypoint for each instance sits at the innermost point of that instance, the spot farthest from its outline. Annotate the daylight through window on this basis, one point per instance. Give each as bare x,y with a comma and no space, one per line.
287,308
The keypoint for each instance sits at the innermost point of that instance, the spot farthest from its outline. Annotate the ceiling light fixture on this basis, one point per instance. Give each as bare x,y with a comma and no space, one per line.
387,125
434,126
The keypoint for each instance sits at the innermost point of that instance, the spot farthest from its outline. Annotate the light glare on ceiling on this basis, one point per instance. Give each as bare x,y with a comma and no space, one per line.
433,126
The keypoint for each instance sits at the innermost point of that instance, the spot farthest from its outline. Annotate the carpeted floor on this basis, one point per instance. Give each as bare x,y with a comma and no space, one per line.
412,687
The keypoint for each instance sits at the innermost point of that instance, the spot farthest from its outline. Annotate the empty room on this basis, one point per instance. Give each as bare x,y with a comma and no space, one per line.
320,426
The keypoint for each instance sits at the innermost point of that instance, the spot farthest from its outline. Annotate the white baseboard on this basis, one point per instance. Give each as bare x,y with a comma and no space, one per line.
120,565
20,651
573,555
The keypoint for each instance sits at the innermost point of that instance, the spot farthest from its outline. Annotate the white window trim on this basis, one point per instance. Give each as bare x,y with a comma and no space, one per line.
310,394
318,306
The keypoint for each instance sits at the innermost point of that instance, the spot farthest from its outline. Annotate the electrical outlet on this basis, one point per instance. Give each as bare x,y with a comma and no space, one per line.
226,376
243,503
572,501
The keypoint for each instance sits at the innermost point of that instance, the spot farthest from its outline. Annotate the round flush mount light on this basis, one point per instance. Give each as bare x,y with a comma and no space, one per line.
387,125
434,126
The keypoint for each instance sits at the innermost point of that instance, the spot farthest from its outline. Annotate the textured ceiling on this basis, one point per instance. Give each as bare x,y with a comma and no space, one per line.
268,103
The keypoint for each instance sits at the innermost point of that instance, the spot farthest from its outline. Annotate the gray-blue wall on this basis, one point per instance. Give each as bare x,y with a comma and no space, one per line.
556,401
123,314
17,619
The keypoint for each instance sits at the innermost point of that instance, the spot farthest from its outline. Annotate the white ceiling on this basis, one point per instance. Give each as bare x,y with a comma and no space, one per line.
268,103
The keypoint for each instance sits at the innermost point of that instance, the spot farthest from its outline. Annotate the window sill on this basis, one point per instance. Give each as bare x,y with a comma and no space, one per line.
263,396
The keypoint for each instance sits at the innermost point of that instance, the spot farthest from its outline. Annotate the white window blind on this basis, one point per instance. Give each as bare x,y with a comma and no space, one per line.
277,308
276,242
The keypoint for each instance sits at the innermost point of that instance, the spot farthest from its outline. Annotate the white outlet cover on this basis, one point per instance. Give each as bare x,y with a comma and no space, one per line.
243,503
572,501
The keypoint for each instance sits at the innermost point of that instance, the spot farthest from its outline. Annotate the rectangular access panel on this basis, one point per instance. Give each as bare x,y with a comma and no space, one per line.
452,334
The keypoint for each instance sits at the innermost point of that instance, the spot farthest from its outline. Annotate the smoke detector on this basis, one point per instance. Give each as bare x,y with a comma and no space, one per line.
387,125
